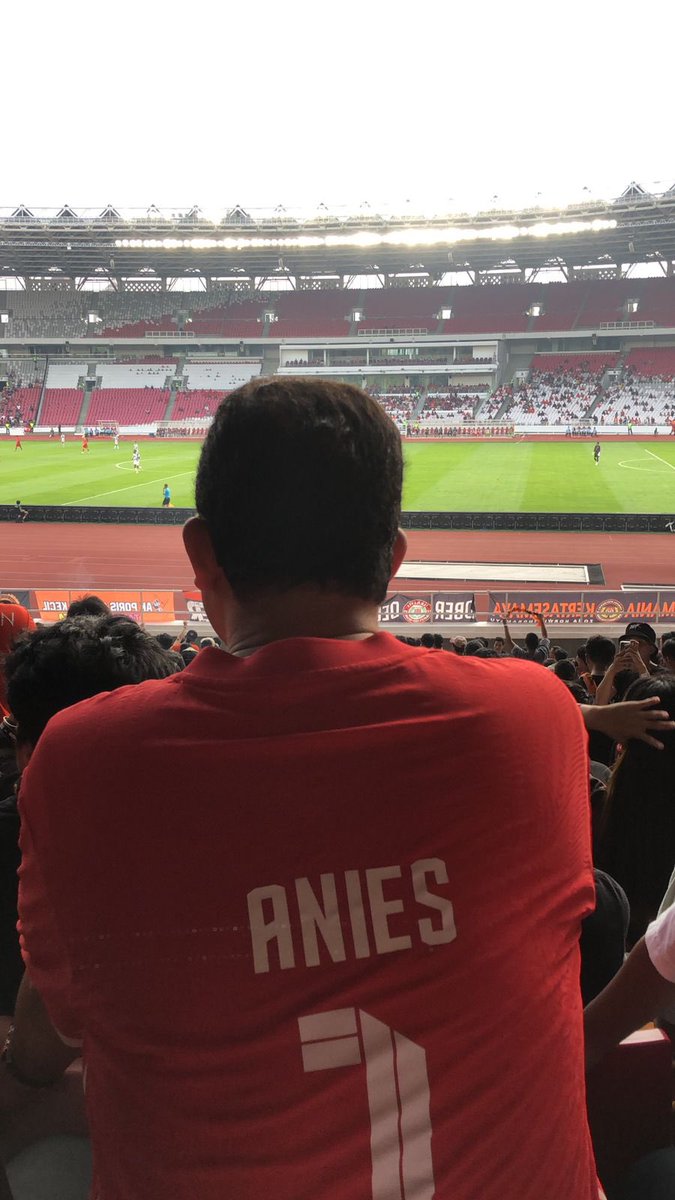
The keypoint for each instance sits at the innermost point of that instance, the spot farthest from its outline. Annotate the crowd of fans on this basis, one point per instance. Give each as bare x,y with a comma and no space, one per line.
300,891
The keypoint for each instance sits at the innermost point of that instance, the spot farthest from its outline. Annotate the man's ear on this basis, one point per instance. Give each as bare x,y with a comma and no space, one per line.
400,547
199,547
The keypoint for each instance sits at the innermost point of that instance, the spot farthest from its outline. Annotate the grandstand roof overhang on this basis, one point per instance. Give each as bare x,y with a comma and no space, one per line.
71,243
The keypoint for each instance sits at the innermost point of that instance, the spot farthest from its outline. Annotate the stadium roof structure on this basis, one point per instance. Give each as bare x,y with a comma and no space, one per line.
80,244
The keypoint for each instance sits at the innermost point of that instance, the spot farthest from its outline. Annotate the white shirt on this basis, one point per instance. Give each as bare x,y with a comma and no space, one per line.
660,943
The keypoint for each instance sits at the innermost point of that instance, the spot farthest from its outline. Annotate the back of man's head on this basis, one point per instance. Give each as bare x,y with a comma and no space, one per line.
531,641
88,606
600,653
61,664
564,668
299,483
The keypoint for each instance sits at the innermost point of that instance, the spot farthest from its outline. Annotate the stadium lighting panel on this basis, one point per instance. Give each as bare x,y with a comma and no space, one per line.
365,239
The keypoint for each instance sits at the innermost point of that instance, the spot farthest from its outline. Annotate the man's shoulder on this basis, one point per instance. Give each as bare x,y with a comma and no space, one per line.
110,711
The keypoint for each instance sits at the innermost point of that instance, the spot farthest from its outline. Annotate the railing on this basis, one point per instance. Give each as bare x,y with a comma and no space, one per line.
627,325
170,333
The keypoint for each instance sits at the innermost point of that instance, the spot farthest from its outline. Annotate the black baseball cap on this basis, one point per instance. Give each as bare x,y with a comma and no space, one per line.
641,631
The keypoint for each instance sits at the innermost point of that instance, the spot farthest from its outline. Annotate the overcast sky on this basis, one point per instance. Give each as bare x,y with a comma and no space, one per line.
443,103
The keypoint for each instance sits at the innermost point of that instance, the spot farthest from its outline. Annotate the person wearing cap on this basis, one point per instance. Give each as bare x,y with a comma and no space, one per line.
645,636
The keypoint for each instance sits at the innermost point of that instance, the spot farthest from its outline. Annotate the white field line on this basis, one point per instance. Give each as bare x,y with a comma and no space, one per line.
659,459
130,488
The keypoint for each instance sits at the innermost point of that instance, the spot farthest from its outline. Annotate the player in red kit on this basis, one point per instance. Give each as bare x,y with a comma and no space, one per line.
353,970
18,445
85,445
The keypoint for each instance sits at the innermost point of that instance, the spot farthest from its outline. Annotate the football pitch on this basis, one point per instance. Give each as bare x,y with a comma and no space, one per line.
632,476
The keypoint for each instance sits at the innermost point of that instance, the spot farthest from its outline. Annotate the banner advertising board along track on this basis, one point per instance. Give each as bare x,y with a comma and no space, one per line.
148,608
442,608
580,608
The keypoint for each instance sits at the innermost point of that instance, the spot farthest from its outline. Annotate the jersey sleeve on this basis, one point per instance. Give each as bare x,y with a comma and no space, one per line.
660,942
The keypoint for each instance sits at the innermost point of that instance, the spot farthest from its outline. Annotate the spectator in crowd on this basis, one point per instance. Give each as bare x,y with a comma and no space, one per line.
14,620
668,655
473,646
645,636
47,671
642,990
637,832
459,644
558,654
600,654
499,645
565,669
537,649
254,949
626,667
88,606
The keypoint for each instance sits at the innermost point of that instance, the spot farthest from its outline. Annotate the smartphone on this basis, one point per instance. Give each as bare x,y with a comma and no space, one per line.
623,646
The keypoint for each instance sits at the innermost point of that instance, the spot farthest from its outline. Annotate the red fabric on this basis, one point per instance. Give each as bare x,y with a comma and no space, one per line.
14,620
435,808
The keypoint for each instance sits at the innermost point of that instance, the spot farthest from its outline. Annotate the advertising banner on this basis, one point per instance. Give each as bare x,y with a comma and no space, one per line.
577,608
148,608
192,606
427,608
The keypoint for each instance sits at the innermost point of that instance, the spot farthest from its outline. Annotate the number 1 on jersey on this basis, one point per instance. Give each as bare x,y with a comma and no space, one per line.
398,1095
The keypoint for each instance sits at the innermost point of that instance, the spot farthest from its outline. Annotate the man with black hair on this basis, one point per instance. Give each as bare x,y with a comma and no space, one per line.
668,654
88,606
600,654
46,671
537,649
273,994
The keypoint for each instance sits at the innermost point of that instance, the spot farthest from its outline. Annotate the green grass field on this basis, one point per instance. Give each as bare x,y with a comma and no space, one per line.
633,476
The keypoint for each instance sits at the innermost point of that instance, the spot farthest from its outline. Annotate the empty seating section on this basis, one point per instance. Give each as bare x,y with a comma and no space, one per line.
128,406
201,403
324,328
132,375
652,362
572,364
479,309
312,314
219,375
61,406
561,305
65,374
224,312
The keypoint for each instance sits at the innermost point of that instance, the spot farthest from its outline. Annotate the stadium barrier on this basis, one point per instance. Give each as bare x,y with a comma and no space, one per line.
562,522
406,610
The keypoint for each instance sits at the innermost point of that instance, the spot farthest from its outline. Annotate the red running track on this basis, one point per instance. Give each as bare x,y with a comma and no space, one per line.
152,557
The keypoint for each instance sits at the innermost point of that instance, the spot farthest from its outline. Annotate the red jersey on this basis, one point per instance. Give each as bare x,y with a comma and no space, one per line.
320,938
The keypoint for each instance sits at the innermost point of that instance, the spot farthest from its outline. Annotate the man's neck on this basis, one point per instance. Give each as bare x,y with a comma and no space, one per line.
300,613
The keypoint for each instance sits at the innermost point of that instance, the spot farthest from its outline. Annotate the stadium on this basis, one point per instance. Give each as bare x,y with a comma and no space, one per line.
503,345
319,913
